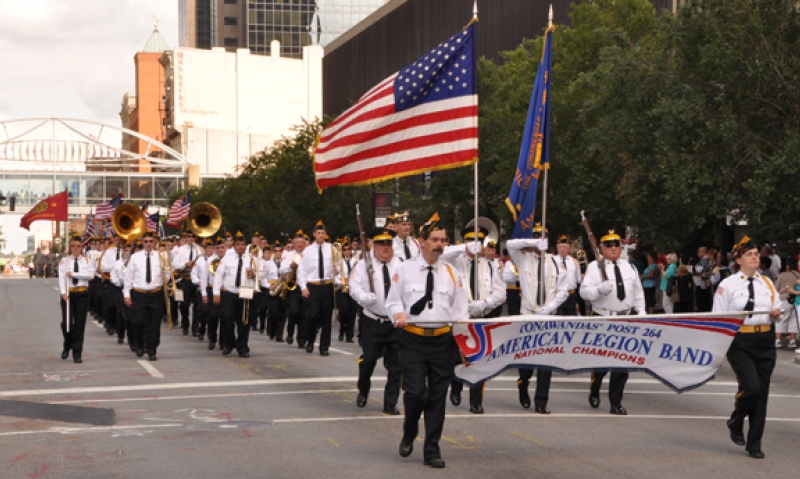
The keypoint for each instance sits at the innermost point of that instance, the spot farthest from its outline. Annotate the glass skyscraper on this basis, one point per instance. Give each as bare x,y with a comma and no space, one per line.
297,23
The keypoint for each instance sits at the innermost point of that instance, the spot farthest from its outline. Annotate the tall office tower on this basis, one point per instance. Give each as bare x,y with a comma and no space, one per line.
212,23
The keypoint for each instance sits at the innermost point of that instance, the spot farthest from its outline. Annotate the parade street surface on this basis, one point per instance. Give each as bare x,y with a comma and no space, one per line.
285,413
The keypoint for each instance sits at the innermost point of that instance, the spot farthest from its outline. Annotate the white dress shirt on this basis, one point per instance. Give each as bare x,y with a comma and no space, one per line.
181,257
348,264
308,270
136,274
86,271
569,265
203,275
555,283
509,276
733,293
269,273
109,259
118,273
200,265
374,304
492,291
608,303
400,251
450,298
225,278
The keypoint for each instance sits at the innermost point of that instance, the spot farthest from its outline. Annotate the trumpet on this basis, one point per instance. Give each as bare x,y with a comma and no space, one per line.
291,282
212,267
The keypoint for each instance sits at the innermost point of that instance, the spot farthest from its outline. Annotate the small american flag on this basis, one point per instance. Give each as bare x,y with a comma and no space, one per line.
179,211
108,231
87,236
152,222
422,118
106,210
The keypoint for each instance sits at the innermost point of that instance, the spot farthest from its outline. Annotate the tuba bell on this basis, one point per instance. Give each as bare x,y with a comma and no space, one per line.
484,222
204,219
128,221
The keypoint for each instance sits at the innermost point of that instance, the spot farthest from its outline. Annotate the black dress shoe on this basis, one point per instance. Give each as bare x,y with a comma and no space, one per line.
78,360
261,331
542,410
391,410
361,400
65,354
524,398
737,438
279,339
455,397
244,355
139,352
406,448
341,336
310,348
211,346
289,340
226,351
323,353
201,337
756,454
132,346
618,410
436,463
185,331
594,401
349,340
152,357
476,409
120,340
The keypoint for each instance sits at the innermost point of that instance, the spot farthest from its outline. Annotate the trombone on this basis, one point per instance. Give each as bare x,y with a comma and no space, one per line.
246,308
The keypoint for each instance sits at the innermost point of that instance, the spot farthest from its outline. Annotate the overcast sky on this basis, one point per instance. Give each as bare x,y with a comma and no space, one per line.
73,59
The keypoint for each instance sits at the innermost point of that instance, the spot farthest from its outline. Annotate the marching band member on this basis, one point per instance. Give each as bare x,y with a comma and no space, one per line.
295,300
276,306
254,255
118,280
96,284
485,299
183,261
212,313
254,249
752,352
539,296
315,280
144,279
348,308
379,337
171,246
513,296
426,295
109,258
198,270
613,297
569,266
234,272
74,273
405,246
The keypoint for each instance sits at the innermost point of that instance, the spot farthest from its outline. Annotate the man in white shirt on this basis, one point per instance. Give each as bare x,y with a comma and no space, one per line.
700,271
569,266
110,256
234,275
315,279
183,261
348,308
295,300
118,281
74,273
212,313
199,270
379,337
426,296
143,294
405,246
276,307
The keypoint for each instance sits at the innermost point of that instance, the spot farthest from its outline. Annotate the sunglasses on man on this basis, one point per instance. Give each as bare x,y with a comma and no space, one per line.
611,244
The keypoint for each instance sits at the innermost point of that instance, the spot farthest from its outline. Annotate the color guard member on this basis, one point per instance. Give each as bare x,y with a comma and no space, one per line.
405,246
74,273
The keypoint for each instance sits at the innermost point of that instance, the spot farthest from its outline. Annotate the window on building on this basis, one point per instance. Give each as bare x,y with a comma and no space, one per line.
231,42
231,21
230,2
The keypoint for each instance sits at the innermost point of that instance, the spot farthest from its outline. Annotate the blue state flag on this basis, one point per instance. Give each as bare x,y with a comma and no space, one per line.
534,154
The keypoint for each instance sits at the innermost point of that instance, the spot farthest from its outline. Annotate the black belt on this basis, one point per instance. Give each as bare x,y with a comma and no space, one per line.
377,317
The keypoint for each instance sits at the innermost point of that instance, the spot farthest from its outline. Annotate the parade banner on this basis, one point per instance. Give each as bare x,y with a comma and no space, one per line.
52,208
682,351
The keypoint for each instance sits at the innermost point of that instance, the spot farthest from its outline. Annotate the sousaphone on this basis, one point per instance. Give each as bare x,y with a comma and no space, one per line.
129,221
204,219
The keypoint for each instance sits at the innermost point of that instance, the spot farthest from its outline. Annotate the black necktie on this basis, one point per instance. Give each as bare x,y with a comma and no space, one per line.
620,284
387,282
347,262
405,248
76,269
473,278
751,296
539,285
118,254
277,264
191,253
321,265
417,308
148,275
239,272
564,262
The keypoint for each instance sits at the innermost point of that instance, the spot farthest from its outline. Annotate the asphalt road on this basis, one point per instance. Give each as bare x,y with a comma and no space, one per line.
284,413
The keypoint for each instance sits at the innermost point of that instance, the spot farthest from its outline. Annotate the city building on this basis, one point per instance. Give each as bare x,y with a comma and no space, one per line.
223,107
254,24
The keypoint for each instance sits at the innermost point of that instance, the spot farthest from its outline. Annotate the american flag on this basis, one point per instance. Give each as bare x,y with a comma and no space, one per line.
108,231
422,118
152,222
106,210
179,211
87,236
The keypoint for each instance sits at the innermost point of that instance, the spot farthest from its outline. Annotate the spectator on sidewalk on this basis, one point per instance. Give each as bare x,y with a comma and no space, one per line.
785,284
668,271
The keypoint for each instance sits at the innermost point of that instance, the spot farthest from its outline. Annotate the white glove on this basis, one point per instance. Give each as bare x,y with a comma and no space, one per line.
541,243
476,308
474,247
371,300
606,288
544,311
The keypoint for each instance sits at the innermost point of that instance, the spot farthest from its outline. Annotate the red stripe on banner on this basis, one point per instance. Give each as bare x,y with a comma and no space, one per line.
418,142
420,164
420,120
361,105
725,331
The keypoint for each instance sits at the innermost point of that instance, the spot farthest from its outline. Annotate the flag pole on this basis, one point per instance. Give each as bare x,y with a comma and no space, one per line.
545,233
477,212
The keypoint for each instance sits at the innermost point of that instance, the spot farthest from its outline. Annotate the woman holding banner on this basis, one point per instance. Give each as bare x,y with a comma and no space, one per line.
752,352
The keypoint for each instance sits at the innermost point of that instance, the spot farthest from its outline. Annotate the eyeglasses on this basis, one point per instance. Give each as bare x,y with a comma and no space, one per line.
751,254
148,241
611,244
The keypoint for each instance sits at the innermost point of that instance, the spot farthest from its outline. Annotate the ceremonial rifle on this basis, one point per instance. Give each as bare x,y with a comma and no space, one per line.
364,252
593,241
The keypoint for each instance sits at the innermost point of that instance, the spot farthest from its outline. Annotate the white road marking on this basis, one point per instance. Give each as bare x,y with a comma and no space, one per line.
347,353
150,369
78,430
55,288
205,396
525,416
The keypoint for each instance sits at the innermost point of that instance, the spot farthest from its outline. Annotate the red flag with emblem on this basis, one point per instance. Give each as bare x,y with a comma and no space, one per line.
52,208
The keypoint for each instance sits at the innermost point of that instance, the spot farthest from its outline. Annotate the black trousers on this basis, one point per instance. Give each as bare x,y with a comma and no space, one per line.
96,298
146,312
616,386
297,315
319,308
233,333
276,319
380,339
513,301
543,378
212,317
703,299
752,358
122,321
200,313
348,308
255,304
78,306
567,308
427,367
173,308
188,289
109,306
263,308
